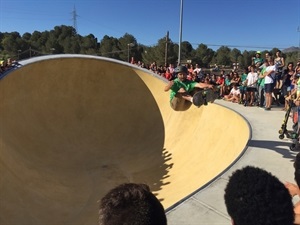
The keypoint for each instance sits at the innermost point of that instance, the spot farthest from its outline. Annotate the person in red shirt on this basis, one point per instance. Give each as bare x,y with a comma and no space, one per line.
168,74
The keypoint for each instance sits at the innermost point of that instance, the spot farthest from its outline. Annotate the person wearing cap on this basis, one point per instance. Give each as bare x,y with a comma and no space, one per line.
182,88
257,60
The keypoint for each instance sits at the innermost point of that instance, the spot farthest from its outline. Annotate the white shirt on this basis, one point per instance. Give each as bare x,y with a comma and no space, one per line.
235,92
270,79
251,79
197,70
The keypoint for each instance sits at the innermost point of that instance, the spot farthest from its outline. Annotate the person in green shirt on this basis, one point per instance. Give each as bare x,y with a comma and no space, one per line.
243,86
261,85
182,89
257,61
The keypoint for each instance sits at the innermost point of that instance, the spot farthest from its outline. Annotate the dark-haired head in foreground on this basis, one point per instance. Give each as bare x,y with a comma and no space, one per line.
131,204
255,197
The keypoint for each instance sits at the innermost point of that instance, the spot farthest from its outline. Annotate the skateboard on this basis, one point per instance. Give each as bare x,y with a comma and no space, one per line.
203,97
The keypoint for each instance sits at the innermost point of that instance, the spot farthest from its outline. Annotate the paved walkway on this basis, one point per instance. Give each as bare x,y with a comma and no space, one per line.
264,150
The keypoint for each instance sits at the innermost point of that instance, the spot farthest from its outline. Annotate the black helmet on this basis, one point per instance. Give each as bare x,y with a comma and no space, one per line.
181,69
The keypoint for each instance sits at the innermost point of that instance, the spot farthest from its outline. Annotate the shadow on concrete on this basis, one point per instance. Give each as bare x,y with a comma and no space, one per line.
277,146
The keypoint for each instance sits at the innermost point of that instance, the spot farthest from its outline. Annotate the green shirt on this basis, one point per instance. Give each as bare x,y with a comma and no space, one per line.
244,77
261,81
227,81
187,85
258,60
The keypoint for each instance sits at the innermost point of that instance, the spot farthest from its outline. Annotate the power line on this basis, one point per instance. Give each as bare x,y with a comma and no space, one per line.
74,18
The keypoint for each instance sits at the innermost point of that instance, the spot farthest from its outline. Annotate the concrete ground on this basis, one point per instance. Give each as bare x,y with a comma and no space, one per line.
264,150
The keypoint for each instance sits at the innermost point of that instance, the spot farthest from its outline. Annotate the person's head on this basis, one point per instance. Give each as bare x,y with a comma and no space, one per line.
278,53
266,62
254,196
252,68
271,61
290,66
132,204
258,54
181,72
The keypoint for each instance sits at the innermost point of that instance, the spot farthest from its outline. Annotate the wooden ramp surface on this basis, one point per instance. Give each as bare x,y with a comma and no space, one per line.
72,127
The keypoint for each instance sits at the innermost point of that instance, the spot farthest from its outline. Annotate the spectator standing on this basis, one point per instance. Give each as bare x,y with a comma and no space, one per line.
261,85
251,81
267,56
269,76
279,62
257,60
243,87
287,77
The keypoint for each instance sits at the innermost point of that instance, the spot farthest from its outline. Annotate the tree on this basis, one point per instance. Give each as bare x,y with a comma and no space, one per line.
109,47
186,51
235,56
127,43
64,39
223,56
88,45
157,53
203,55
10,43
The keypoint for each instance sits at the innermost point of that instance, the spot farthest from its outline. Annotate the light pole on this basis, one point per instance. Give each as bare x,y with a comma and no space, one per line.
129,45
180,32
19,51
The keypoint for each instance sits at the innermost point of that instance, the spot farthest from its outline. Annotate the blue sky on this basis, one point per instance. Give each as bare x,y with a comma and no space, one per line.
244,24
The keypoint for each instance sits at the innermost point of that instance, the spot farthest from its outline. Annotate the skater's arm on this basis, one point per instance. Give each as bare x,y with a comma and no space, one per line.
203,85
169,86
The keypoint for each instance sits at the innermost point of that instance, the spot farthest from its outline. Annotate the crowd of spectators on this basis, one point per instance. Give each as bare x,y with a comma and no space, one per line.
244,86
7,64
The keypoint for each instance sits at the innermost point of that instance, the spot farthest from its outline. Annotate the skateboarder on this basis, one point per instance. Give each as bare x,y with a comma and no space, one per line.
182,90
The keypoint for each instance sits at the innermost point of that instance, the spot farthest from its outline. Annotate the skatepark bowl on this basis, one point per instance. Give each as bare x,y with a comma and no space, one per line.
75,126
